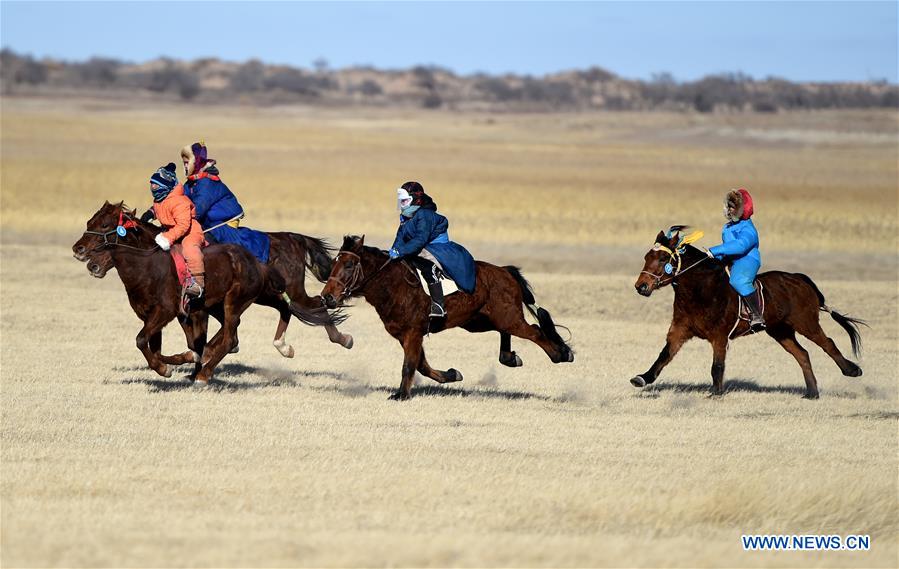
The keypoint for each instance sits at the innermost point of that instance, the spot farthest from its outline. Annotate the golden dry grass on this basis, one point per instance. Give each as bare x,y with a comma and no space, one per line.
305,463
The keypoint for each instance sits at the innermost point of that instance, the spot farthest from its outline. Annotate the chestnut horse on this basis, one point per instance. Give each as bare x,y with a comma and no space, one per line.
235,280
396,293
705,306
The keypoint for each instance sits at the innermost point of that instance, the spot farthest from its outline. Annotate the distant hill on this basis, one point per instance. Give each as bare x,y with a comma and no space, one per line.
254,82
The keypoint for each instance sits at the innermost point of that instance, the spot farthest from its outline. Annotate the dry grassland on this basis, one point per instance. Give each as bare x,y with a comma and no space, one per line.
304,462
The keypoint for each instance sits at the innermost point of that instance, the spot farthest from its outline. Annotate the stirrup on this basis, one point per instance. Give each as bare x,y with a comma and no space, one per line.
193,290
437,311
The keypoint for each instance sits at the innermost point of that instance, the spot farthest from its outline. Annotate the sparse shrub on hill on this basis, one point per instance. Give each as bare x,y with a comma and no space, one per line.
435,87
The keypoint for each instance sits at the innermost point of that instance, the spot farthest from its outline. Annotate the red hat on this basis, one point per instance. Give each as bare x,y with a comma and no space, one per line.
741,201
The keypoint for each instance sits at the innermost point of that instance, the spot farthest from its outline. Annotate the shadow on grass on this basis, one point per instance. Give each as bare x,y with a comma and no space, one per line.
735,386
345,386
437,390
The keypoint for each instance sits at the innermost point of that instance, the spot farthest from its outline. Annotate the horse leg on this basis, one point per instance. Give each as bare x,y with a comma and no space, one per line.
827,344
187,357
152,326
195,328
519,328
448,376
411,358
719,354
178,359
225,337
279,342
506,356
786,337
335,335
677,335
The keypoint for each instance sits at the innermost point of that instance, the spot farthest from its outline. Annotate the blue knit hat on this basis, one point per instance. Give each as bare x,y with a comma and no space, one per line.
165,179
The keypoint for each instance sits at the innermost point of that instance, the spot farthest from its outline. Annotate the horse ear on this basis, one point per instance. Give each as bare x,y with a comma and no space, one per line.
362,241
661,238
106,203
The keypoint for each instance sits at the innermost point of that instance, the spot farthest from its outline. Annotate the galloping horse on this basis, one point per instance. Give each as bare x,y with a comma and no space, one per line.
394,290
290,254
236,280
705,306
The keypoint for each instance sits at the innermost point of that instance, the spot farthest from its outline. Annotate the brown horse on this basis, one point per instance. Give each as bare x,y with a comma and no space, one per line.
395,292
235,280
290,254
705,306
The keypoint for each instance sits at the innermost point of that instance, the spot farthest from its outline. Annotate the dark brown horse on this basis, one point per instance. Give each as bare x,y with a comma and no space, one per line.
395,292
290,254
235,279
705,306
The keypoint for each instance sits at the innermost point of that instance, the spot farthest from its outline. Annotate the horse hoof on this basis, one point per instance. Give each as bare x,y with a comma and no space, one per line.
399,396
194,357
811,395
166,371
234,350
510,360
284,348
638,381
453,375
853,371
347,341
200,384
570,356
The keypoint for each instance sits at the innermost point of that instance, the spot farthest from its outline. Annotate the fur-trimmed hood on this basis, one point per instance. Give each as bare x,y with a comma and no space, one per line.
741,202
197,160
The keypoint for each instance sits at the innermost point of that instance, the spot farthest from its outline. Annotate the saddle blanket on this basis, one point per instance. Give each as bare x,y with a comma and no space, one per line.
180,265
449,285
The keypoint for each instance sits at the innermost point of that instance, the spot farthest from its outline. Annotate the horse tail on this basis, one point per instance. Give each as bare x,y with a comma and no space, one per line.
544,320
318,256
848,323
276,286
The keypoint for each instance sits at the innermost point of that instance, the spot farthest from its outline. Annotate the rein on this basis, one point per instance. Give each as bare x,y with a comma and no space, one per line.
121,230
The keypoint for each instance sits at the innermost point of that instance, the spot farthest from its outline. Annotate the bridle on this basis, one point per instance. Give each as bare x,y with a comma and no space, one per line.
357,279
125,223
669,269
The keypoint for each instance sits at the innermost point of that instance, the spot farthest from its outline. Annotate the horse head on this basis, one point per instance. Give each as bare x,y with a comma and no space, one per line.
346,272
660,262
113,223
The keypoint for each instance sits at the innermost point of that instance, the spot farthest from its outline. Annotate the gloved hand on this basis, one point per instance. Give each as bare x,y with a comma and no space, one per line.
162,242
394,254
148,216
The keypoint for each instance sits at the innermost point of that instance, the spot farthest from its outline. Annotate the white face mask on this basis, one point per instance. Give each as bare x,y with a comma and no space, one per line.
403,199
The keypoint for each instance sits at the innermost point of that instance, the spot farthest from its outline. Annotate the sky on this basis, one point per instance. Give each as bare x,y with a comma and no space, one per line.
800,41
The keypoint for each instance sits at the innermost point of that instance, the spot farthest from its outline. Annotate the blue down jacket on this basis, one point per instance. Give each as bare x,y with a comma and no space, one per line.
427,229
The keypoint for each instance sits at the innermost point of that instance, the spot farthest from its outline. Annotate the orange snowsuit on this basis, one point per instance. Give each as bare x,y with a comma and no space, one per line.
178,217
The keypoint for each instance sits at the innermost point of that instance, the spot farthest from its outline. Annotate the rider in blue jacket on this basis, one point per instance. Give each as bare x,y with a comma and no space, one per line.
740,247
218,210
423,229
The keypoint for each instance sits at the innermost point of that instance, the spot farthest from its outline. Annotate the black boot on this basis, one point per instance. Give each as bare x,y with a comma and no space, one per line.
437,310
756,320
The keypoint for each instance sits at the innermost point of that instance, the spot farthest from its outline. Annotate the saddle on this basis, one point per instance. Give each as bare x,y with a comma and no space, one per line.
448,284
743,314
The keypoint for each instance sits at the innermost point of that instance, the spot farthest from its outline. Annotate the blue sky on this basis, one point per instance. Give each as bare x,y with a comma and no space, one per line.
802,41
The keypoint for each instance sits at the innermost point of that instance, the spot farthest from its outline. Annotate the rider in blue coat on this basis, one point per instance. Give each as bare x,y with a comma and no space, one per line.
422,228
740,247
218,210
